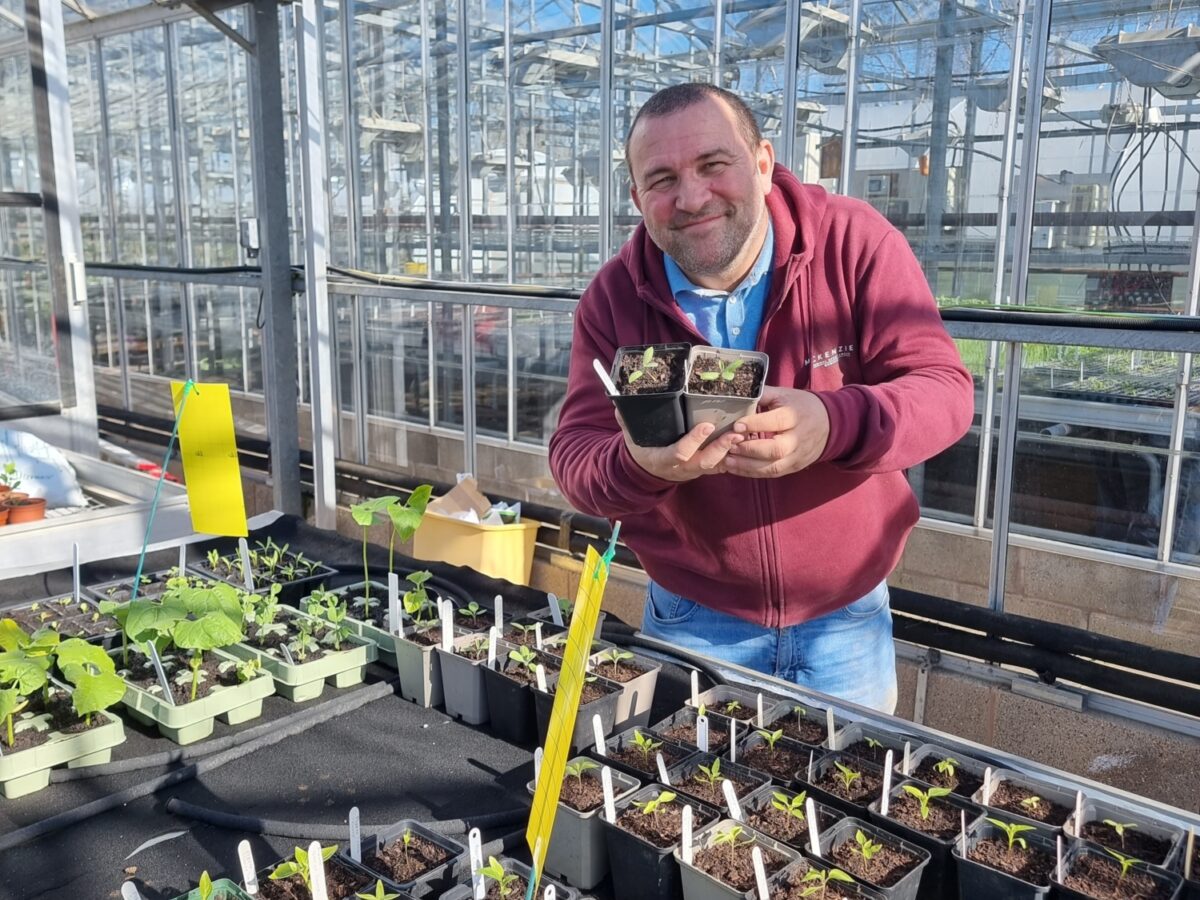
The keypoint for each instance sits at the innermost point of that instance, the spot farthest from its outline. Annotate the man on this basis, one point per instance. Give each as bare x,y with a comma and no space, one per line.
769,547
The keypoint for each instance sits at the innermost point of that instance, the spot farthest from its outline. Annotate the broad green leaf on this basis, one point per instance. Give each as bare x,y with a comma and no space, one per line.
21,672
327,852
96,692
407,517
12,635
419,578
149,619
212,630
43,642
76,653
10,699
220,597
364,513
284,870
839,875
205,887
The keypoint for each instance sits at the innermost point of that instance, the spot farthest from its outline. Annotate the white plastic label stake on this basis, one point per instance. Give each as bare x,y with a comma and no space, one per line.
152,652
907,768
810,765
762,722
549,893
555,612
760,873
395,616
829,728
733,740
537,765
814,830
498,609
541,678
598,734
1078,813
695,689
478,886
686,842
493,636
129,891
610,804
537,635
182,559
287,654
987,786
731,800
355,835
75,579
702,733
316,871
662,770
1058,857
885,797
447,626
244,553
1189,853
249,876
962,837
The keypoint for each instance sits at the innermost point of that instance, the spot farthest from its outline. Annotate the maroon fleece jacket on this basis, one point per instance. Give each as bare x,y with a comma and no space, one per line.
850,317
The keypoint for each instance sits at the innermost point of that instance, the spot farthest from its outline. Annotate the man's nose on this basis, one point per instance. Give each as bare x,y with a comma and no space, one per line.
693,193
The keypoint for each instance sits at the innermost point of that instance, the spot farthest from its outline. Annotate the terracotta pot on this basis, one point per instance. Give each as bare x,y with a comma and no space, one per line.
3,513
25,509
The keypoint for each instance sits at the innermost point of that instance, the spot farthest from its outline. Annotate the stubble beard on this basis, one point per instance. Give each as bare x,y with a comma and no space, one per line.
699,261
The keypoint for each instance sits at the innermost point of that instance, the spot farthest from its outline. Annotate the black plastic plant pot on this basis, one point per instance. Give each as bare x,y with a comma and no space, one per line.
433,880
976,880
1191,890
464,692
510,706
762,799
715,699
681,773
804,722
512,867
872,744
700,885
550,630
939,879
119,589
653,420
1059,796
932,752
1095,812
605,707
637,694
1167,885
907,887
718,729
776,765
717,408
825,764
778,884
672,752
641,869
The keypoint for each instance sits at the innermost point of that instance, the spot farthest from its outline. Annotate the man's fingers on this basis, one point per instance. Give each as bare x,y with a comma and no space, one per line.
686,447
767,449
781,418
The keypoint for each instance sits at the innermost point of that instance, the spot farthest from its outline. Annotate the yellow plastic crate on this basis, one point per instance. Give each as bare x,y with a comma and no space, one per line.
502,551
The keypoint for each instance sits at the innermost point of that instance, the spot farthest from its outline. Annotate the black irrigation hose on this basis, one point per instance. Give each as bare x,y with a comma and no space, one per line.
325,832
313,715
188,772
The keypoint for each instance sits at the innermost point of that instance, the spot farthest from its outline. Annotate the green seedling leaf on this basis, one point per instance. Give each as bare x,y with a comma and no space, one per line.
406,517
1119,827
96,691
645,744
494,871
1012,831
205,887
865,847
793,806
924,797
210,631
24,673
378,894
149,620
1127,862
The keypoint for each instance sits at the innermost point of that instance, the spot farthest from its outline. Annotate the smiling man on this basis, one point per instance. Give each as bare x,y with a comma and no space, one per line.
770,546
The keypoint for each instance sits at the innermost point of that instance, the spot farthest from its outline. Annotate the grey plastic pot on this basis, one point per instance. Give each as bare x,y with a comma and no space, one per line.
699,885
907,887
681,772
718,733
979,881
826,763
1169,883
431,881
25,771
653,420
827,816
1060,796
223,889
618,742
420,672
939,879
583,734
463,691
777,883
637,694
713,699
719,410
974,767
513,867
577,850
856,732
1098,811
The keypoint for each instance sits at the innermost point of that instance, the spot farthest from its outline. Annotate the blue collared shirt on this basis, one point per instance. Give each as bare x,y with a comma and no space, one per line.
732,319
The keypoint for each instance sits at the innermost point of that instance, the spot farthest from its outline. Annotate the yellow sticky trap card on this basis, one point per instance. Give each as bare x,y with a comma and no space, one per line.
208,450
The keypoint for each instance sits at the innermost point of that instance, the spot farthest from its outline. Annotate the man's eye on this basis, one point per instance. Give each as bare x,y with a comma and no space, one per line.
714,166
660,183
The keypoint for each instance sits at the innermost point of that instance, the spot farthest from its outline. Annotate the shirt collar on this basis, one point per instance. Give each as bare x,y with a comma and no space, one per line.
681,284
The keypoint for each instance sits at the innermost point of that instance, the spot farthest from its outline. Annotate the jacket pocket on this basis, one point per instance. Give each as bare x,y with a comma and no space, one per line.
666,608
870,605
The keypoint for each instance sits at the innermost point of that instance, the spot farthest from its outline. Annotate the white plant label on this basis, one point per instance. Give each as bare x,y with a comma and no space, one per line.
182,559
355,835
610,803
1078,813
555,612
829,728
395,615
760,873
493,636
244,553
75,577
731,800
810,765
885,796
962,836
762,722
814,830
537,765
541,678
907,769
733,740
987,786
662,770
598,735
249,876
702,733
537,635
287,654
549,893
1191,851
152,652
129,891
447,626
316,872
695,689
475,843
498,609
686,843
1058,857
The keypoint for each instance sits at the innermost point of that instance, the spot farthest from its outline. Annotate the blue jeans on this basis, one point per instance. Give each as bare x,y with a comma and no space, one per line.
847,654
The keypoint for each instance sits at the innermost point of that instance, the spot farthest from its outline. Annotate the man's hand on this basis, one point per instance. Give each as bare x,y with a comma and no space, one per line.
684,460
787,434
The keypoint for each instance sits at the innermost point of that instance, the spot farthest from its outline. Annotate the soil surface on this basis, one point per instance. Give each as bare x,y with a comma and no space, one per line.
697,786
734,709
795,886
1030,865
718,739
884,869
144,676
1137,844
121,593
735,866
522,638
944,820
662,828
962,783
783,826
522,675
780,763
273,640
342,884
631,756
622,672
863,750
582,794
591,692
745,381
403,866
1101,878
805,730
426,637
1011,797
473,651
861,791
665,372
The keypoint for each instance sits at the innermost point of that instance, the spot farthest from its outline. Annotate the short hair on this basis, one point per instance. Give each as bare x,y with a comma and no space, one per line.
680,96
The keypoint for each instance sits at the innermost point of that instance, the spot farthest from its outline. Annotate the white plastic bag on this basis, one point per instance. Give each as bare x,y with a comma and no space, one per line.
42,469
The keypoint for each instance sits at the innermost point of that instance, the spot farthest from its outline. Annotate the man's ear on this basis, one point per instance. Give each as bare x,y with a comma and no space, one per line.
764,161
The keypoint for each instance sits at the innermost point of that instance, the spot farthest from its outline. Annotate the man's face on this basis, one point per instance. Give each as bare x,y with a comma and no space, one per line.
701,190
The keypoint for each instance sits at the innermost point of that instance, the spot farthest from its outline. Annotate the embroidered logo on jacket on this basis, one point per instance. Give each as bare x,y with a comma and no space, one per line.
830,357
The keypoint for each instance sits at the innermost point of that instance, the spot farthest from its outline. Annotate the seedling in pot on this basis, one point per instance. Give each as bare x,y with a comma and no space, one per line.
525,657
793,806
1031,803
303,643
245,669
378,894
1012,831
205,886
648,362
924,797
417,602
20,677
472,611
8,476
771,738
730,707
725,372
614,657
1126,862
364,514
651,807
92,674
864,846
577,768
847,775
710,774
947,767
1119,827
299,864
331,609
820,879
731,837
645,745
494,871
406,517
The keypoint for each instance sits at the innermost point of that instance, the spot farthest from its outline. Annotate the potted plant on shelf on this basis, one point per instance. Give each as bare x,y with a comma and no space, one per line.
722,386
643,839
881,860
809,725
635,751
523,631
739,703
9,480
649,379
508,879
420,670
810,879
577,850
463,690
410,858
65,617
598,697
680,727
1027,800
510,691
1116,828
866,742
291,879
721,867
221,889
23,509
1005,859
1097,873
928,817
637,675
270,564
847,782
701,776
782,814
770,753
939,767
